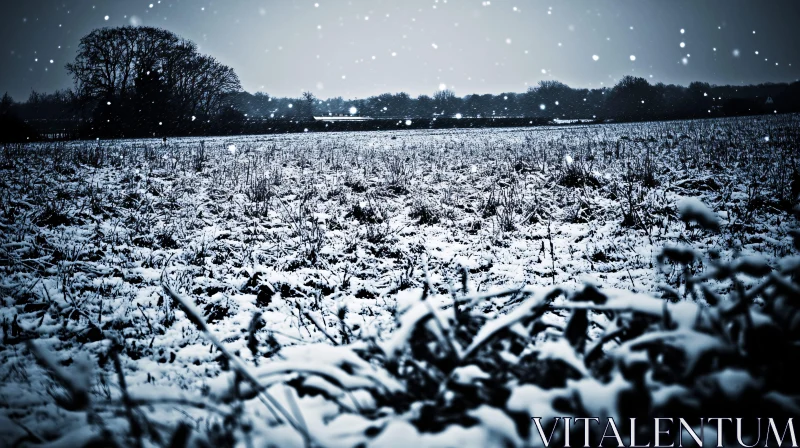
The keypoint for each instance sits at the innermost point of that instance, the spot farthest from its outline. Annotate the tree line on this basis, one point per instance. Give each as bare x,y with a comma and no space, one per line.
146,81
632,98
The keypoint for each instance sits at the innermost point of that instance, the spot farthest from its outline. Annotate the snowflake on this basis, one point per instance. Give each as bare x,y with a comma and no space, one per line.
595,57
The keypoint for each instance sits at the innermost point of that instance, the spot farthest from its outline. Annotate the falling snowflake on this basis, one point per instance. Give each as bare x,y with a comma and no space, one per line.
408,122
682,31
442,86
683,44
232,149
458,115
353,110
508,41
595,57
633,58
434,46
542,106
736,52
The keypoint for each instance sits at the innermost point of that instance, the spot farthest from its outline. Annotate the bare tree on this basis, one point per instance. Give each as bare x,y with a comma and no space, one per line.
149,71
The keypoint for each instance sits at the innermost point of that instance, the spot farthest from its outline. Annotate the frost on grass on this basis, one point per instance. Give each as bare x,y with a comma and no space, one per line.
429,287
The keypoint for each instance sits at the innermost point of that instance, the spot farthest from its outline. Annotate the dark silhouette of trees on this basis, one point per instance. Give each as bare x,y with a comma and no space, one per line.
147,81
632,98
12,128
141,81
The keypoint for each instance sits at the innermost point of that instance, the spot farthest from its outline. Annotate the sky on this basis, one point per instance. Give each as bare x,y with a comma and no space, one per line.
359,48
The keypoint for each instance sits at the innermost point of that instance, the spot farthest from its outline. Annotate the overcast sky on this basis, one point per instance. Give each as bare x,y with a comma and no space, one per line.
360,48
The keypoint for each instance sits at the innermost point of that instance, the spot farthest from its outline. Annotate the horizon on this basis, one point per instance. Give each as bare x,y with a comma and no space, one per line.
476,47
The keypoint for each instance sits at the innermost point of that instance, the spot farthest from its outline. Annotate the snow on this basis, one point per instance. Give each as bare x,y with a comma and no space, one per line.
371,273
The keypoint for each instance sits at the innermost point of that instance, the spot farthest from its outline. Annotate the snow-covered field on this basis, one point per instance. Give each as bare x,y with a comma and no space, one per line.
329,238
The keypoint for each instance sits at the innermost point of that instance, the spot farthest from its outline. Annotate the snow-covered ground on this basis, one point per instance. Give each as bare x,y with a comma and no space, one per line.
328,235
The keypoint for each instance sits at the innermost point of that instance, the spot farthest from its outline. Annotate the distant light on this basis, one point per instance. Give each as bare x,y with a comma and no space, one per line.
595,57
353,110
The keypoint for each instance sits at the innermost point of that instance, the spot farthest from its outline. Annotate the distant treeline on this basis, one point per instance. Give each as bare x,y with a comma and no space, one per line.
148,82
631,98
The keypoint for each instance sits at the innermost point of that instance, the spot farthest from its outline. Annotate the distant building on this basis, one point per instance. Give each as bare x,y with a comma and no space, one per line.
342,118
